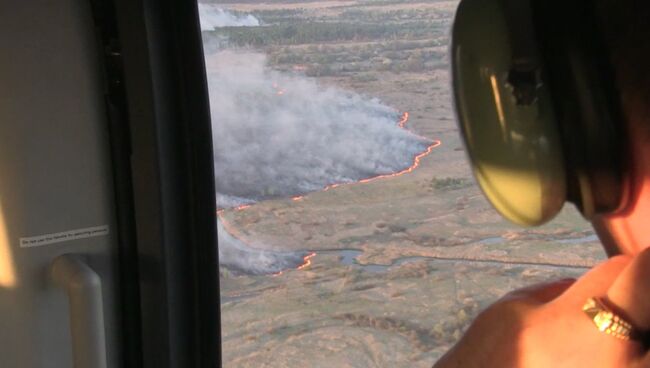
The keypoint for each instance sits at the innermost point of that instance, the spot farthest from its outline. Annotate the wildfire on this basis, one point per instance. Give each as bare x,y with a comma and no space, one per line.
307,261
403,120
416,162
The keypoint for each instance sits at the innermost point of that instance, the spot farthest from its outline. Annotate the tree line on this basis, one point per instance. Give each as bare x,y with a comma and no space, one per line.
304,33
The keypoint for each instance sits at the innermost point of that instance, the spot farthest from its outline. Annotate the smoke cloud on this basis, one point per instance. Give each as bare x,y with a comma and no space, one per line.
212,17
241,258
278,135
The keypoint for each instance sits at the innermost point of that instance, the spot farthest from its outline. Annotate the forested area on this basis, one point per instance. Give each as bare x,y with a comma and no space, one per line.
308,32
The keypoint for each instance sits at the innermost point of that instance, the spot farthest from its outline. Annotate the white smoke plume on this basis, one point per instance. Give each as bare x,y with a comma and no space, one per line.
243,259
212,17
278,135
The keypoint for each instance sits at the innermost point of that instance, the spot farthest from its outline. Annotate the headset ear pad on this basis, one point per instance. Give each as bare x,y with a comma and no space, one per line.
512,139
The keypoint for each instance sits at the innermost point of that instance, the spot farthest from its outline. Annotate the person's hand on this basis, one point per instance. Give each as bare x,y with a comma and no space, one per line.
544,325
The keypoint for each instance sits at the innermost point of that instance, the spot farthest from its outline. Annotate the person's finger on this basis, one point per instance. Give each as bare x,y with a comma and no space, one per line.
630,293
543,292
595,282
553,290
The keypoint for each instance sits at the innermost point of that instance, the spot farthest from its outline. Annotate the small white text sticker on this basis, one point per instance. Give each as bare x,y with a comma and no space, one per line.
88,232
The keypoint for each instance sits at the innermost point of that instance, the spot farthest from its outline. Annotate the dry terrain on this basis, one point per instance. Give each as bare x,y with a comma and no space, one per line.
401,264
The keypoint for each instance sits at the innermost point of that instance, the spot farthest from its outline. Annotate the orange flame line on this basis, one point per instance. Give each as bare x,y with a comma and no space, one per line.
416,160
307,260
306,263
402,122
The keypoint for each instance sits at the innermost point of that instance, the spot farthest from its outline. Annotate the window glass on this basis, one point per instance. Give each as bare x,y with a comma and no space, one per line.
351,232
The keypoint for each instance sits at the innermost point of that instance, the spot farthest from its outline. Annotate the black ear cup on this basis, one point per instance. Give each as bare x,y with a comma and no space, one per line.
581,80
534,109
505,112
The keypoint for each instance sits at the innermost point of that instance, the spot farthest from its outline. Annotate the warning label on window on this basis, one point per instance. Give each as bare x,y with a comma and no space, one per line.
89,232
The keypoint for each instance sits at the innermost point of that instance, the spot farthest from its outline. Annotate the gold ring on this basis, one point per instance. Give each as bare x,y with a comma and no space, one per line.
607,321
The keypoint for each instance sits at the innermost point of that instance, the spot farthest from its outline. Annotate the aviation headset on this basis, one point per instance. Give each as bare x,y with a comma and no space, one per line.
537,107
